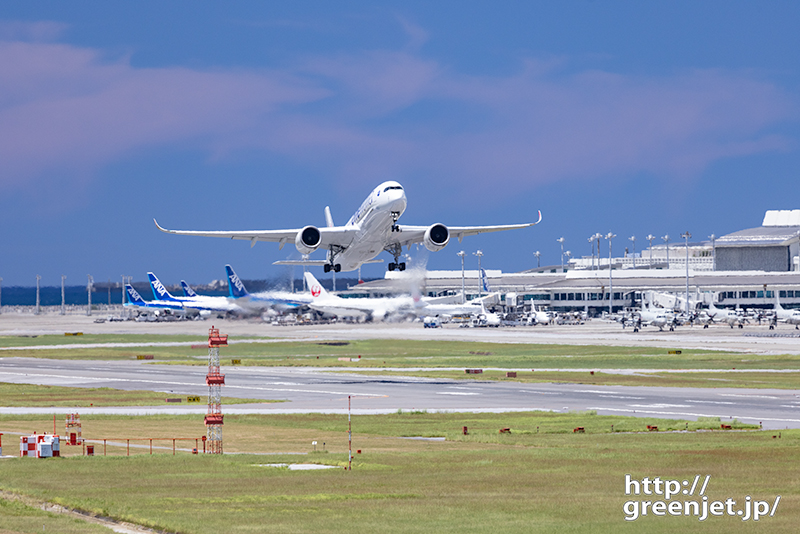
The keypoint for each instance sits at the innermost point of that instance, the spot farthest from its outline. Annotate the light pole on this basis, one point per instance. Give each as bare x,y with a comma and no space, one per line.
632,239
650,238
598,236
89,291
686,235
63,301
538,260
123,289
666,242
591,242
463,285
713,239
37,294
610,236
561,241
480,287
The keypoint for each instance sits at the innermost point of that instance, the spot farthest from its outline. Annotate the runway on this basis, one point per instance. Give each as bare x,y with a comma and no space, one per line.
307,390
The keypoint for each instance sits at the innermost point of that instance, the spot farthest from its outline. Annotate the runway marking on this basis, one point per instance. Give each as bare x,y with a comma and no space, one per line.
709,402
455,393
659,405
622,397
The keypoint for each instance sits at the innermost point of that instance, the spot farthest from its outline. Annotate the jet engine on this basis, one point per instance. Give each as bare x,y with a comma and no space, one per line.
436,237
307,240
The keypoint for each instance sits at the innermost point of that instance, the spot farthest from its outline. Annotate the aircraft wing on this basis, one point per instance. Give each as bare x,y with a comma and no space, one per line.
312,263
409,235
340,236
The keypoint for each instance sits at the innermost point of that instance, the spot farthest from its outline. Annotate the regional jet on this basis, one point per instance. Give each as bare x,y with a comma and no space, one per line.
372,229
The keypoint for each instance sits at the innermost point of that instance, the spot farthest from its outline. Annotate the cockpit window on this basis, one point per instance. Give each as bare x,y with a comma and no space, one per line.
393,187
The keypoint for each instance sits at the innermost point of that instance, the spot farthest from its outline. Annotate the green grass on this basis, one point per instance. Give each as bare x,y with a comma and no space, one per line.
412,353
551,481
17,516
28,395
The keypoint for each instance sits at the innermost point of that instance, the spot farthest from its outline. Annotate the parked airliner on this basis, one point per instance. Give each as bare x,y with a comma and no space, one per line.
371,230
201,304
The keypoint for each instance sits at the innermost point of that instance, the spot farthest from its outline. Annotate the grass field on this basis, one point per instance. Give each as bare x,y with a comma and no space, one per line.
550,480
28,395
401,353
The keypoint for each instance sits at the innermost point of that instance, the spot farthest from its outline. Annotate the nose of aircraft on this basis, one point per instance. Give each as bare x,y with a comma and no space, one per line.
397,200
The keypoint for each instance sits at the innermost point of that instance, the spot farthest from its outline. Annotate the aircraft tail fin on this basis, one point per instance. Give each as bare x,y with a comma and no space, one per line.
778,301
132,297
485,281
159,291
187,291
314,286
236,288
328,217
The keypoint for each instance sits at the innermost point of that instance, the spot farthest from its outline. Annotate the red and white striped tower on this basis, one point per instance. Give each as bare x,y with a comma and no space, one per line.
215,381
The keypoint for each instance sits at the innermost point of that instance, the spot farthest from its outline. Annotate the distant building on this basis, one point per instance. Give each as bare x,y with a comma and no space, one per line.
773,246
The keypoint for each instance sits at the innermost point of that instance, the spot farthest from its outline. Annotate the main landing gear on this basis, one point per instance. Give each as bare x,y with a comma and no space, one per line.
395,250
335,250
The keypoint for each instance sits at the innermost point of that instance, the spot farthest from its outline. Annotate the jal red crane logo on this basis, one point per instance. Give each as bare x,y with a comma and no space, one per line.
316,290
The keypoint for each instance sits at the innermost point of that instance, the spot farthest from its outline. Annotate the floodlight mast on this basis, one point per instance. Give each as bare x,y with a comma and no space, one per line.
480,287
686,235
463,283
591,242
598,236
610,236
89,291
632,239
561,241
713,239
38,309
650,238
537,254
666,242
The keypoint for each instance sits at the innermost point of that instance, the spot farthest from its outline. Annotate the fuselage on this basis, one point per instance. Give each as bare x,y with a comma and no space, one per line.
373,222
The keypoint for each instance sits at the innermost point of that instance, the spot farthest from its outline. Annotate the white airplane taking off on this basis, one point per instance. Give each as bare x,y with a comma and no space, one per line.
372,229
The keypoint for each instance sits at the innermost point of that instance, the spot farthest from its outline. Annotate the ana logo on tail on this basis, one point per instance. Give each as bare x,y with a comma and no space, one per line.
133,295
159,291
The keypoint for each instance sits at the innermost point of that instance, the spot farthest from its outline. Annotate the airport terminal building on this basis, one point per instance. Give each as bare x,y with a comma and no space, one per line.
748,268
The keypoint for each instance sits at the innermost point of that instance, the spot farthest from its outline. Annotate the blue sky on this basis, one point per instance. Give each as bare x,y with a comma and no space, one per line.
629,117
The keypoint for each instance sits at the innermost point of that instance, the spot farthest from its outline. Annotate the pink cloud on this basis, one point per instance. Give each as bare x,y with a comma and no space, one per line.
66,108
382,114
